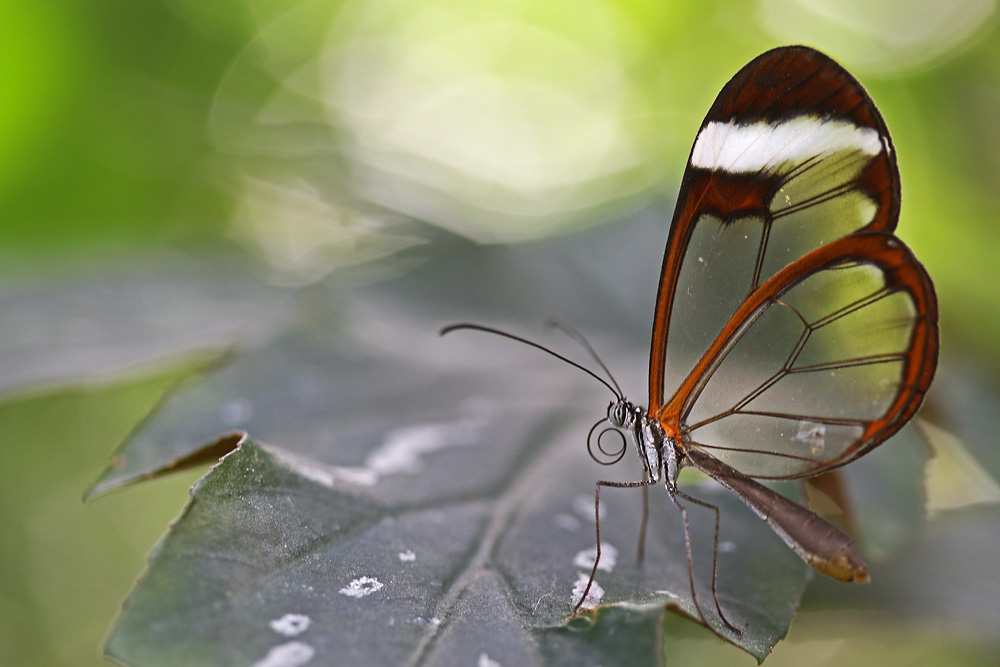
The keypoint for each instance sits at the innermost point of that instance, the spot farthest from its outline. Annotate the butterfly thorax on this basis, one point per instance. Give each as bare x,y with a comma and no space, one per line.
655,448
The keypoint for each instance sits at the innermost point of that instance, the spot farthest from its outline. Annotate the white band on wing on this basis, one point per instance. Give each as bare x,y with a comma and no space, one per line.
762,146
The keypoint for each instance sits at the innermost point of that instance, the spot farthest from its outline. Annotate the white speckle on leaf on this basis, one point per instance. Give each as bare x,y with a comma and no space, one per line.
567,522
306,468
593,596
584,506
355,475
669,594
812,434
433,623
727,547
407,556
586,558
291,654
486,661
402,450
291,625
236,412
318,475
361,587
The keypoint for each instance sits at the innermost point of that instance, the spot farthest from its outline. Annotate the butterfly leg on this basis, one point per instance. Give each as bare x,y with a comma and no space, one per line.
715,555
644,484
640,554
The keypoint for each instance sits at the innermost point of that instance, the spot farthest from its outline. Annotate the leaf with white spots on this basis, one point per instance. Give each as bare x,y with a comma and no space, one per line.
429,501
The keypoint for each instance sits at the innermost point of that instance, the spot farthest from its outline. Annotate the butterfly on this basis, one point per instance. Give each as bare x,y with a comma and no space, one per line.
793,331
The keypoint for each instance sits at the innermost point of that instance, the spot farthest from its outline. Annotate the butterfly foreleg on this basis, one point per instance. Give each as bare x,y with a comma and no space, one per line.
641,547
644,484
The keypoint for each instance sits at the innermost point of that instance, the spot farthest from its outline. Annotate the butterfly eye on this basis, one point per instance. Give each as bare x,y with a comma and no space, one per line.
613,415
619,414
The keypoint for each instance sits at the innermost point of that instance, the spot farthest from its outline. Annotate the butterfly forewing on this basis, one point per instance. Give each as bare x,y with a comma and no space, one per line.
793,332
823,362
792,155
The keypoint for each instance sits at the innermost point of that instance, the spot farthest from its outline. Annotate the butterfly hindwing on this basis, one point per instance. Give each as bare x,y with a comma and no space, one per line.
827,359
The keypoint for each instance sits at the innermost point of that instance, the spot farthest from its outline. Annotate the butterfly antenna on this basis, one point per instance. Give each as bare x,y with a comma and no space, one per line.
568,329
497,332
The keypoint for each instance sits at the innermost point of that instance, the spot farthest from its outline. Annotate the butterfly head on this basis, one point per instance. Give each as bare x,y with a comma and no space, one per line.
627,420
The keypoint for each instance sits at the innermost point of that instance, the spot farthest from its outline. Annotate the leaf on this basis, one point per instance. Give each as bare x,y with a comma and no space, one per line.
356,348
103,324
966,398
886,487
262,539
451,471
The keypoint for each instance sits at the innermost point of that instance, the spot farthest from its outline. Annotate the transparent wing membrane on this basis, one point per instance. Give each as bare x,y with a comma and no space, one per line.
818,202
715,278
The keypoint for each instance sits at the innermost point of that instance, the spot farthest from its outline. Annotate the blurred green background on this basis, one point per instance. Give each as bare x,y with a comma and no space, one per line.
309,136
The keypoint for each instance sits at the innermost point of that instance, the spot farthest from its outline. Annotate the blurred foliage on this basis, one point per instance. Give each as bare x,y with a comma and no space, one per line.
311,130
311,134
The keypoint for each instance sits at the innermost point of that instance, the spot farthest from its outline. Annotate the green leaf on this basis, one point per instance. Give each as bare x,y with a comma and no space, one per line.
379,580
135,311
966,397
886,491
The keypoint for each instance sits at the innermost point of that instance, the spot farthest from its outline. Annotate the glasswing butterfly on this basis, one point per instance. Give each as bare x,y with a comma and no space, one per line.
793,332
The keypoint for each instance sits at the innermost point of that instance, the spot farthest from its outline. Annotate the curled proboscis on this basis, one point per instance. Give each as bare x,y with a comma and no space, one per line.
602,455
